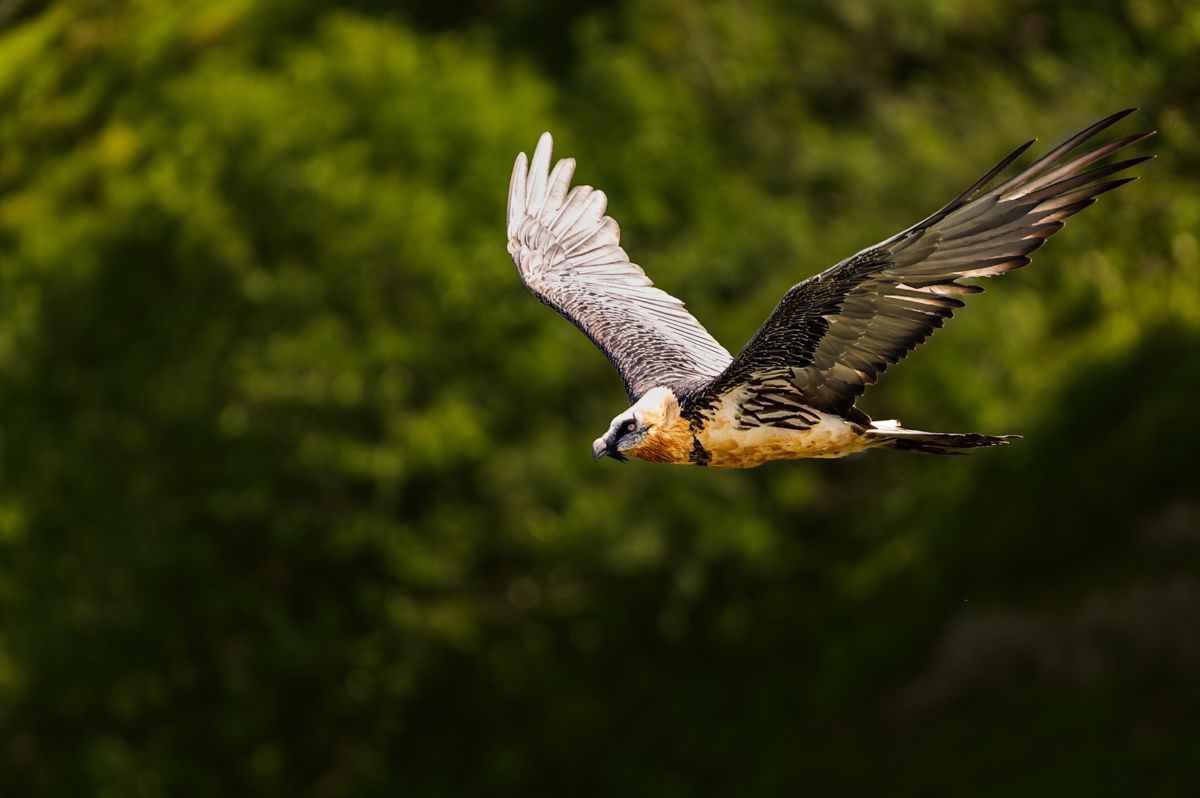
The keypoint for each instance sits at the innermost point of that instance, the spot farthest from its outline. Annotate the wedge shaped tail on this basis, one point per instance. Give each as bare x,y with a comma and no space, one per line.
911,440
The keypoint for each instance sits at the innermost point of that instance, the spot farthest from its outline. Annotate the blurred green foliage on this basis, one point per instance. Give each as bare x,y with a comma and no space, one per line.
295,488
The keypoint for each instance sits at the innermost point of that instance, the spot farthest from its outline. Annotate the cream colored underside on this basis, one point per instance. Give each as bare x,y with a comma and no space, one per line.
732,447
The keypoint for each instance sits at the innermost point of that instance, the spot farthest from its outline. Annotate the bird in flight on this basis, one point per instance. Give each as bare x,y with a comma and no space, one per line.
791,391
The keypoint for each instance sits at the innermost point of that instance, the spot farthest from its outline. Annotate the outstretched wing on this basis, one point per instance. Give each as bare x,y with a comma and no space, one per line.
833,334
568,253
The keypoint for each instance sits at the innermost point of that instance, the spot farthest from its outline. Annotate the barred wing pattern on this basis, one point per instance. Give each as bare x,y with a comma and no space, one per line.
835,333
568,253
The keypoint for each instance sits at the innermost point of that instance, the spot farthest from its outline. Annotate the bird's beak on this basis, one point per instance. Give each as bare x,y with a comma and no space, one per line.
603,446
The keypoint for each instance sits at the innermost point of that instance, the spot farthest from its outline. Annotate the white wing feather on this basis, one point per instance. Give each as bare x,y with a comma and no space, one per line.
568,253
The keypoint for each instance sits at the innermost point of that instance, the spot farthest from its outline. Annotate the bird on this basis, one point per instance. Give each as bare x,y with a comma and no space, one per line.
791,392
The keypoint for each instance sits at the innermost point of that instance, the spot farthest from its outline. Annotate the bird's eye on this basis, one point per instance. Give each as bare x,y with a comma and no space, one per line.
628,426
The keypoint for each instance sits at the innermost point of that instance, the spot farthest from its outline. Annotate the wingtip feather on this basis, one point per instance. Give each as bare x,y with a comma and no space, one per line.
539,173
516,193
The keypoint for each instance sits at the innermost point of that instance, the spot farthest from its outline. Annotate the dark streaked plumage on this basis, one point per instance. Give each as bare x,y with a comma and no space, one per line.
791,391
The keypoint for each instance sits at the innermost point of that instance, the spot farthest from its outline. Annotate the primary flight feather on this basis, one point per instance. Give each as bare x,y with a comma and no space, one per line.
791,392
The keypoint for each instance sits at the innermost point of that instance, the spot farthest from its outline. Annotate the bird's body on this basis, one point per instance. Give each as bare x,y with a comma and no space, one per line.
791,391
724,440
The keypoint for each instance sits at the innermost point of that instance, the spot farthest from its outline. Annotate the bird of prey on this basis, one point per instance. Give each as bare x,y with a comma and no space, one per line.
791,391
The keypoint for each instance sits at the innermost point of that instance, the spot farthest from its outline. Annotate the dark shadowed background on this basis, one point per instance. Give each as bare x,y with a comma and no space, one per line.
296,493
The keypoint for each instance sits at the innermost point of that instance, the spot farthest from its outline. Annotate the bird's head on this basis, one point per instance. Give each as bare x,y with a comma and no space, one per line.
625,432
651,429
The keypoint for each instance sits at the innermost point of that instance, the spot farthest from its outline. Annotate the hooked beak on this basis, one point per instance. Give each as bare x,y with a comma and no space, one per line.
602,446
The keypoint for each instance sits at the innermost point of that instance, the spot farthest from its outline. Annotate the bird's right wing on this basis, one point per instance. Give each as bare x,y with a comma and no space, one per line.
568,253
835,333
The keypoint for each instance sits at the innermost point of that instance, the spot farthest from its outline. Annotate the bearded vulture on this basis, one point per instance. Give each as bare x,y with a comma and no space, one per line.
790,393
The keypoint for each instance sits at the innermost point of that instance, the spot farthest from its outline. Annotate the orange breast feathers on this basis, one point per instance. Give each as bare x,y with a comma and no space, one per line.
668,438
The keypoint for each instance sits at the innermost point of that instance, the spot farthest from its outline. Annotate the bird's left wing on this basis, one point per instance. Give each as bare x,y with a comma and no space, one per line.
833,334
569,255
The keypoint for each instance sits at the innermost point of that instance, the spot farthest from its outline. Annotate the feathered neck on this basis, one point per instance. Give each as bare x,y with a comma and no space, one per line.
668,437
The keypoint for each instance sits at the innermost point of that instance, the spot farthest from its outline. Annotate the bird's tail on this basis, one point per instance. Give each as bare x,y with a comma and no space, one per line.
891,435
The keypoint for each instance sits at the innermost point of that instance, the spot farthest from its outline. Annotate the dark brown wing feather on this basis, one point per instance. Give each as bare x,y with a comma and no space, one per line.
835,333
568,253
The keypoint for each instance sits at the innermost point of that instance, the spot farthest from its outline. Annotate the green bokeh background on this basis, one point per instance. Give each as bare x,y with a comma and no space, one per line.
296,496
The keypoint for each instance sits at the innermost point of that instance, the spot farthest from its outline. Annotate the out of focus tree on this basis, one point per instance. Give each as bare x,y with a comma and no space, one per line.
295,493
